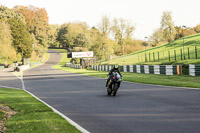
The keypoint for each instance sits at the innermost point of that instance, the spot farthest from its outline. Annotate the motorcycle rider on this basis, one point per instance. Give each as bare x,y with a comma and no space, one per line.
114,69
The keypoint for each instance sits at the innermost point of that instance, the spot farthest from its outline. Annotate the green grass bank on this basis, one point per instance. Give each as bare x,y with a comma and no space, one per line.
161,54
32,115
175,80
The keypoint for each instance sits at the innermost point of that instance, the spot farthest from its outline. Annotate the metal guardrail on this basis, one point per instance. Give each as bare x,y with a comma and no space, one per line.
194,70
147,69
73,65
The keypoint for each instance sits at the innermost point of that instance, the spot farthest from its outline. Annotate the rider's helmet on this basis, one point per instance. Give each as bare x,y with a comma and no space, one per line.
116,67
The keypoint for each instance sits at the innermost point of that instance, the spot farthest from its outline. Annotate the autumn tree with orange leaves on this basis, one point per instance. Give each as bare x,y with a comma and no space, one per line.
37,25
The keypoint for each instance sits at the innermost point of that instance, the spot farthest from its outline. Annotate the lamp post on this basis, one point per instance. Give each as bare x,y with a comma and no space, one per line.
183,41
145,44
123,47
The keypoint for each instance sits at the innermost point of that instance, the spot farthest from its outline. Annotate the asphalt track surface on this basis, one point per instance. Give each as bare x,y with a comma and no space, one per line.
137,108
9,80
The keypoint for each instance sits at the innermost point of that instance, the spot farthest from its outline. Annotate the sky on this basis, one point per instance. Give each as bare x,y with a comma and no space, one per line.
145,15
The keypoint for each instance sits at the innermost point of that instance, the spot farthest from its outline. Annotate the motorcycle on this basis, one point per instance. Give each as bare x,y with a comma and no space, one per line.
114,83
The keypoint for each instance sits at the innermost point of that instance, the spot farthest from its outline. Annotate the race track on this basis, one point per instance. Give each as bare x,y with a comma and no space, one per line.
137,108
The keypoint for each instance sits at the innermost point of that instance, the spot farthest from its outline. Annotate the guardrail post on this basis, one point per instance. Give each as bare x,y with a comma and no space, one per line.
175,55
188,53
156,69
169,70
192,70
196,51
138,69
146,69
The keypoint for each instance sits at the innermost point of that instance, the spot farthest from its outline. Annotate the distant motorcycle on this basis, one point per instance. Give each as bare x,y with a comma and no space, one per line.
114,83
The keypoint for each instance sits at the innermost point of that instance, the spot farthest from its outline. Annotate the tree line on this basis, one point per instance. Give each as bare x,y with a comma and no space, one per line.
168,32
114,37
24,33
111,37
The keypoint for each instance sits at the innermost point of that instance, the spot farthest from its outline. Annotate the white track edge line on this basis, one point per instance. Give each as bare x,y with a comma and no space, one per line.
10,87
142,83
59,113
56,111
159,85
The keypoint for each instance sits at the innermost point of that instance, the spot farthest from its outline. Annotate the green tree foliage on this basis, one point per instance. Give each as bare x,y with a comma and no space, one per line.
96,40
7,52
22,41
81,40
122,30
37,25
189,31
78,37
185,31
157,37
179,32
69,35
168,27
134,45
197,28
53,35
62,35
104,28
97,48
21,37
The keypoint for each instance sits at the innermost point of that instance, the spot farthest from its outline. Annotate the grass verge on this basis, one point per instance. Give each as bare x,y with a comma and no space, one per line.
45,59
169,53
32,115
59,50
175,80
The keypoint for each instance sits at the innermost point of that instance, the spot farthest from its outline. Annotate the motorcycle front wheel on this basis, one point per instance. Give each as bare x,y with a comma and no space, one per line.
115,88
109,91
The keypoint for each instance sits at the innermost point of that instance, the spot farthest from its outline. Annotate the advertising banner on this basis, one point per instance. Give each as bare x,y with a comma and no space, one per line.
82,54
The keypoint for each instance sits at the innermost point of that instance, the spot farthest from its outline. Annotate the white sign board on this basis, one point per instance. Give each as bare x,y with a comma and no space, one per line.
82,54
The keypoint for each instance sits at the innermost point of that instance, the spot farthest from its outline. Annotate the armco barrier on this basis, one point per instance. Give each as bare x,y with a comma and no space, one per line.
142,68
162,69
156,69
23,67
73,65
194,70
147,69
138,68
151,69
